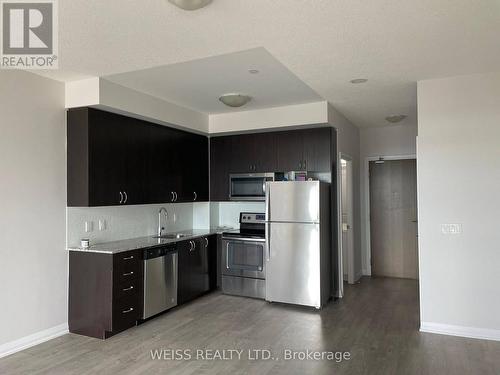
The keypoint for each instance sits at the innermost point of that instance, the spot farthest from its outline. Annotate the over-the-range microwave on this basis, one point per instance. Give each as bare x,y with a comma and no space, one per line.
249,186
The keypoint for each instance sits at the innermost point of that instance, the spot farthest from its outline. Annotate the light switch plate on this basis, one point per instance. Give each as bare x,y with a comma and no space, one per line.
102,224
89,226
451,228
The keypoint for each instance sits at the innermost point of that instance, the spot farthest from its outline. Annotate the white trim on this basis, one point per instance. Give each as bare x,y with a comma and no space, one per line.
367,269
351,276
338,172
32,340
452,330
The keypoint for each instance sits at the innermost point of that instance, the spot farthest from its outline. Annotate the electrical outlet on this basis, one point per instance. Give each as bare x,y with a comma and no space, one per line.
89,226
102,224
451,228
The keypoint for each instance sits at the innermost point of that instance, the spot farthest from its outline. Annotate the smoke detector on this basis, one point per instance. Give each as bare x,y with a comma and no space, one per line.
395,118
190,4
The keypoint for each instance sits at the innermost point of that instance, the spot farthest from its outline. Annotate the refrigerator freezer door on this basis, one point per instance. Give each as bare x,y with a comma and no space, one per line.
293,202
293,264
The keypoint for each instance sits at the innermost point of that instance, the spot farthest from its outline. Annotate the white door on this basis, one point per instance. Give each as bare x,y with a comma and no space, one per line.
346,210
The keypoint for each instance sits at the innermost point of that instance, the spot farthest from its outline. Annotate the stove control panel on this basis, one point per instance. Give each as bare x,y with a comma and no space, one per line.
252,217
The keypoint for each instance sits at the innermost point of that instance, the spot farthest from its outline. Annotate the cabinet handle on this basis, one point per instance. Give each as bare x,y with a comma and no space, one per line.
129,258
128,273
172,196
305,164
193,246
127,311
126,197
175,196
127,289
195,195
121,197
206,242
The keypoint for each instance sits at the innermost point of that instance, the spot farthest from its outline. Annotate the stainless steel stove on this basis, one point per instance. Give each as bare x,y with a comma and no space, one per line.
243,257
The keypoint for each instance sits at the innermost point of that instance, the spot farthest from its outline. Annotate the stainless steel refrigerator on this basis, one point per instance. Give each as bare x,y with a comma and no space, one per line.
298,237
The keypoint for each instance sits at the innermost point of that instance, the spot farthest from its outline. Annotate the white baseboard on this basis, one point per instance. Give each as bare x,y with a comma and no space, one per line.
470,332
32,340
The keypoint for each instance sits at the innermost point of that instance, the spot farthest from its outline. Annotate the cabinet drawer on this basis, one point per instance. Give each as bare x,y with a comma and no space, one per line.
127,289
126,312
127,267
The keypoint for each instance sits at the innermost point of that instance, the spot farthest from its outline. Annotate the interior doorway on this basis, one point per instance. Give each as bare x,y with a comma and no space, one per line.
346,219
393,218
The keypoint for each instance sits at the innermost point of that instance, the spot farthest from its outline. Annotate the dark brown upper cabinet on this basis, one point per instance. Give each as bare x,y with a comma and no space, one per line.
281,151
117,160
220,159
304,150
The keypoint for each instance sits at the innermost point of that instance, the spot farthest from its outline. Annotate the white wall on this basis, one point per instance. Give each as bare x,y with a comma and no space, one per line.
33,266
348,142
100,93
459,182
285,116
393,140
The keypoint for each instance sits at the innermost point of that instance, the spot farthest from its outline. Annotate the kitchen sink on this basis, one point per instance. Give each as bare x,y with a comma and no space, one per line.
172,236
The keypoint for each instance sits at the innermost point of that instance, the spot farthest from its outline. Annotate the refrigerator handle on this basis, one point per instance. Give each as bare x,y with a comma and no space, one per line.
268,242
268,208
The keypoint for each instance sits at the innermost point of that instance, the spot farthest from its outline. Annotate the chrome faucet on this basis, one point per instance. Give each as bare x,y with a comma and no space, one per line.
160,227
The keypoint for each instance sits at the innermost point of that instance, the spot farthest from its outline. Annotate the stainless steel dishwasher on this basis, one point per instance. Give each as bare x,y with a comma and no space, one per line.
160,279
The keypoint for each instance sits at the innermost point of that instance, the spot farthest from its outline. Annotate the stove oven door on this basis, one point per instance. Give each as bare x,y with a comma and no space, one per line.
243,257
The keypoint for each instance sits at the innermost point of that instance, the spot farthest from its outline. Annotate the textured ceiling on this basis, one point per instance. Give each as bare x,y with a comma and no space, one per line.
198,84
325,43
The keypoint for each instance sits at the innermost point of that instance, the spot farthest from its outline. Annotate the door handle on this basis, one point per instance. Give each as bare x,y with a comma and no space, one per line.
127,311
129,288
121,197
126,197
128,273
129,258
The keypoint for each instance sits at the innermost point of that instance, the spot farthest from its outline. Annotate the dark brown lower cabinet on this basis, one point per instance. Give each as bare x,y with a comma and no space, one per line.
105,292
197,267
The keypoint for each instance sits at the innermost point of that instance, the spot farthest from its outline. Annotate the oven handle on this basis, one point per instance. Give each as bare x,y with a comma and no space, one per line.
227,256
242,239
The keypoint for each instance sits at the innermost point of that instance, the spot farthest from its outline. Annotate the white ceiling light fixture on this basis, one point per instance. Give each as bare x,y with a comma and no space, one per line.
395,118
235,100
358,80
253,71
190,4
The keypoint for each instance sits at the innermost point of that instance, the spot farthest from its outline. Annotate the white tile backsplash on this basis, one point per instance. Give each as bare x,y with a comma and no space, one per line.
123,222
228,213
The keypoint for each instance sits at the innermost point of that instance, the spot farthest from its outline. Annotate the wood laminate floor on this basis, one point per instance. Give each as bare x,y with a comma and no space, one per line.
377,323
